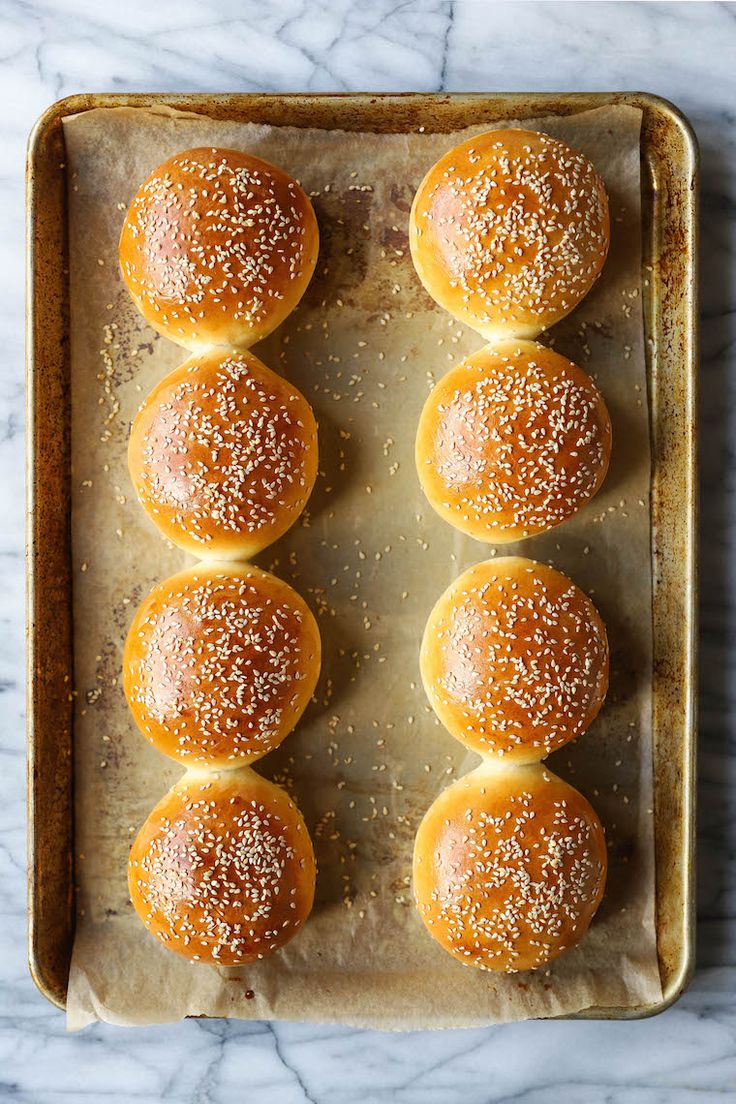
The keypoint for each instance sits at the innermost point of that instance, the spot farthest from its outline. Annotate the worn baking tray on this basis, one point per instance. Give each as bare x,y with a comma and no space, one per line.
669,208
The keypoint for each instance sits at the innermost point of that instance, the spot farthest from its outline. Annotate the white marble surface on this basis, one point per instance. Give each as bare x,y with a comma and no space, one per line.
684,51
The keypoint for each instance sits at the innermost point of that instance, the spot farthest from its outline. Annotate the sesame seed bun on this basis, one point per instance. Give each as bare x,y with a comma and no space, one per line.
218,247
220,663
509,868
512,442
223,870
514,659
223,455
509,231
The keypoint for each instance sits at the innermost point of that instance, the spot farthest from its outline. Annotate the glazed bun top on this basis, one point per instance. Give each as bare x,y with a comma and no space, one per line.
509,231
509,868
223,870
223,455
218,248
512,442
219,664
514,659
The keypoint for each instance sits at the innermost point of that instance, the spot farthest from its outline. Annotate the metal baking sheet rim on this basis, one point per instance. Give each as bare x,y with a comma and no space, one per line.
669,216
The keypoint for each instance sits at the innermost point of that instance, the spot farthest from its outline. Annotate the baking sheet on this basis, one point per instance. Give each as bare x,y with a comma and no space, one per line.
368,758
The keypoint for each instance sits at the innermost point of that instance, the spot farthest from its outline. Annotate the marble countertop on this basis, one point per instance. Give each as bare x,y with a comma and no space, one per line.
683,51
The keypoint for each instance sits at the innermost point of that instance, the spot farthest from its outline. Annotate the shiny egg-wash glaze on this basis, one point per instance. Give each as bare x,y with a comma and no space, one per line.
223,869
512,442
217,248
508,232
509,867
514,659
220,662
223,455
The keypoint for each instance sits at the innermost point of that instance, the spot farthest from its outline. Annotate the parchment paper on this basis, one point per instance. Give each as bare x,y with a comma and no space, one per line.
370,556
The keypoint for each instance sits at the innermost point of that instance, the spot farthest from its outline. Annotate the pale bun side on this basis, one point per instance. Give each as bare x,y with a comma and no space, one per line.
223,455
509,868
509,231
218,247
219,664
223,871
514,659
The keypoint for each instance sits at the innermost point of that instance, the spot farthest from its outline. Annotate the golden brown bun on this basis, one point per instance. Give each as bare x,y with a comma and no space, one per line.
223,455
223,869
218,247
514,659
220,663
509,231
512,441
509,868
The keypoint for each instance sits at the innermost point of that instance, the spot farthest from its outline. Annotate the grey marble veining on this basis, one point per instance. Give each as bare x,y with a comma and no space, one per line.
684,51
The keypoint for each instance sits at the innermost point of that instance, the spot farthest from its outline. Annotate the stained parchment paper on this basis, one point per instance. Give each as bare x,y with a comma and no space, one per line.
371,557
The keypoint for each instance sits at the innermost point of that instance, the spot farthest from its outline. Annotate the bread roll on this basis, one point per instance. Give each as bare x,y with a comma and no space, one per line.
220,663
218,247
509,868
509,231
223,455
514,659
512,441
223,869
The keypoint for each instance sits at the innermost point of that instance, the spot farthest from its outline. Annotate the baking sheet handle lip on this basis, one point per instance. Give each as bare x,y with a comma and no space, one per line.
686,969
67,105
677,116
35,966
46,984
687,964
85,101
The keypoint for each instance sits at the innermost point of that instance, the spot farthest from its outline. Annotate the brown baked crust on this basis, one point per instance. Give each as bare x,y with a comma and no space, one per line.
509,231
223,455
220,663
513,441
514,659
222,871
509,868
218,247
